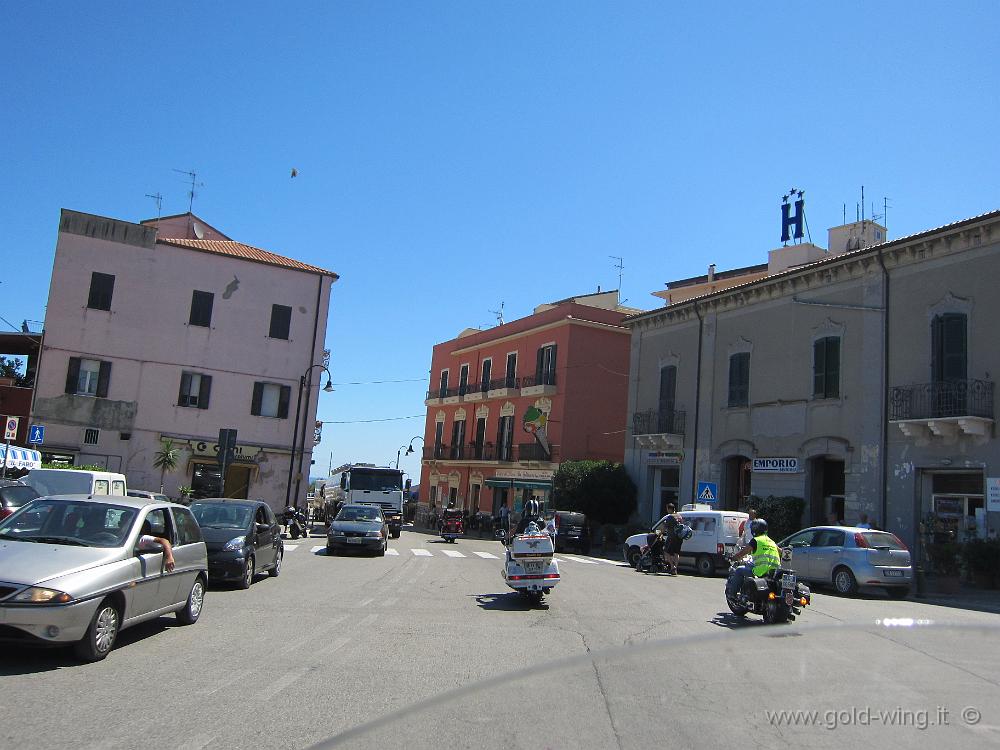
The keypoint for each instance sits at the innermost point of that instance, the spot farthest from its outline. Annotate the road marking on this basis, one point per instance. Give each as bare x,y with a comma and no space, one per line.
389,602
487,556
291,547
278,685
318,547
422,552
393,552
366,602
197,742
336,645
581,560
452,553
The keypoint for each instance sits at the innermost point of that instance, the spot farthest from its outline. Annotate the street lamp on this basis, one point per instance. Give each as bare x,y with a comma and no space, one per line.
398,452
304,381
415,437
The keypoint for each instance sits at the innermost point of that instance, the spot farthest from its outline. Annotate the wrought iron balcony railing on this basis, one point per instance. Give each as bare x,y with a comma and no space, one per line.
505,382
535,452
952,398
546,378
653,422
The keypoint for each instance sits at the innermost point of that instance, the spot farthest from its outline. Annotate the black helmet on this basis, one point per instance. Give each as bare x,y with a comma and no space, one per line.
758,526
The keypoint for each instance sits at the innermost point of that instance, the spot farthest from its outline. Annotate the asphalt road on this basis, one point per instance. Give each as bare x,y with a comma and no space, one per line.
431,650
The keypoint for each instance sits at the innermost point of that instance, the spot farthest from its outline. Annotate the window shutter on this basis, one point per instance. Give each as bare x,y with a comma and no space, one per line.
539,363
953,348
258,396
73,375
551,380
668,388
104,380
937,361
819,368
283,398
833,367
205,391
183,396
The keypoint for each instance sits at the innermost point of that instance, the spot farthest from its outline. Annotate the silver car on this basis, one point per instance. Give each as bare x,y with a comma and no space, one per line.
848,557
73,570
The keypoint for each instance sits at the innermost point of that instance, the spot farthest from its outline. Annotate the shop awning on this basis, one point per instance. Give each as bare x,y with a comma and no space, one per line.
20,458
526,484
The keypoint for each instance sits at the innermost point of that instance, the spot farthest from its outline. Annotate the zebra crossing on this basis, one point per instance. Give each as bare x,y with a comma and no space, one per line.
454,554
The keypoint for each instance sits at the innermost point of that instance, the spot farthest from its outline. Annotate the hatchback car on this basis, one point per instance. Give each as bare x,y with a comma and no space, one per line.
572,531
14,494
848,557
358,527
243,539
76,569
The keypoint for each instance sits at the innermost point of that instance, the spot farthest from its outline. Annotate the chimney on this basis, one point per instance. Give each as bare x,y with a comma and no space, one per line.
711,272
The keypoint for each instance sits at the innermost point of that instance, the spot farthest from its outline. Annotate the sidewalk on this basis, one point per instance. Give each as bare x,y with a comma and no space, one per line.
979,600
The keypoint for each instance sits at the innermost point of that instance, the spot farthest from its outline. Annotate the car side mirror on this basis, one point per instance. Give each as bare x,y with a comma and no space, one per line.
262,527
145,547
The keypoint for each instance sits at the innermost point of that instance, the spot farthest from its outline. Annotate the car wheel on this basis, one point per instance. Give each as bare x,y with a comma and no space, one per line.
330,551
385,546
632,556
395,534
275,571
249,571
705,565
898,592
100,637
195,601
844,581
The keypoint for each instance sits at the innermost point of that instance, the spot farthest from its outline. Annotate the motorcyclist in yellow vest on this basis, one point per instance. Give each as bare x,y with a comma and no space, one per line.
766,557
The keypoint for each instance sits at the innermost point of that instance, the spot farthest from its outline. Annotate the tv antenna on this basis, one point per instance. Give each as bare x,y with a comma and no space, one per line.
499,314
620,265
159,204
194,184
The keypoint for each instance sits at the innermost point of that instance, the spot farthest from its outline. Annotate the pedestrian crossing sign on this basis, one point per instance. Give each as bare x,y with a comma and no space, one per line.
708,492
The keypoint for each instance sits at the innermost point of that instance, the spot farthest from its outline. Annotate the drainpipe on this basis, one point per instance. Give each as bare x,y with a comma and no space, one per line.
884,463
697,407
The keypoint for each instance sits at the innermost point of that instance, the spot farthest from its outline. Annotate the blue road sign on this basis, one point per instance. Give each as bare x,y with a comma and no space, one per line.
708,492
36,434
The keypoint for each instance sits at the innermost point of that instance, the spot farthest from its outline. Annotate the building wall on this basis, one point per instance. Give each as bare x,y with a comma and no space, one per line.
147,338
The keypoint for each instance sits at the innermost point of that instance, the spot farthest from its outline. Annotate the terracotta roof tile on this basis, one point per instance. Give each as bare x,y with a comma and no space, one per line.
246,252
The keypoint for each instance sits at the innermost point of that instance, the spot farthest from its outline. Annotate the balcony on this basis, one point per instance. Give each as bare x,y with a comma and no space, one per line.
504,387
539,385
490,452
660,430
945,409
472,392
438,396
535,452
438,452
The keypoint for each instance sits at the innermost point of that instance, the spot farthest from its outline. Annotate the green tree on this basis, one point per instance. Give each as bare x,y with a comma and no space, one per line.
11,368
166,459
602,490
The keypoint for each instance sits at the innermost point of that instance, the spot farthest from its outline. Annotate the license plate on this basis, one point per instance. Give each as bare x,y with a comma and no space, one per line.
532,567
893,573
788,581
355,540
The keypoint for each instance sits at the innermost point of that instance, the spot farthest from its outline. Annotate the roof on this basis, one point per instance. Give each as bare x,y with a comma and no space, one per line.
246,252
719,275
840,257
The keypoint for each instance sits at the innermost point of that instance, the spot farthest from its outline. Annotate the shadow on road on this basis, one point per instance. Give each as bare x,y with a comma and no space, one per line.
733,622
507,602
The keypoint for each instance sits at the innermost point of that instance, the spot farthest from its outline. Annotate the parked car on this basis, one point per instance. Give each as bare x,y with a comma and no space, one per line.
358,527
149,495
243,539
13,494
572,530
73,570
76,482
847,557
714,534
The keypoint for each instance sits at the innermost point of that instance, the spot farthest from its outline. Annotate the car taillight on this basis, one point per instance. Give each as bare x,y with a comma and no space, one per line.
860,541
4,512
720,549
557,520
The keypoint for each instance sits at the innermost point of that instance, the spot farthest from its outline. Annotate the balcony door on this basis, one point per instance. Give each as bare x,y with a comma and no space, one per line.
949,364
668,393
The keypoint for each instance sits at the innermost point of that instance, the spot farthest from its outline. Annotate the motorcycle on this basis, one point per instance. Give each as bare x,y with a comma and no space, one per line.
777,596
296,523
452,525
529,567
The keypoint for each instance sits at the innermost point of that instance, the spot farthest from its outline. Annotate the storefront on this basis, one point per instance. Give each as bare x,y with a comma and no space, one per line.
517,486
19,459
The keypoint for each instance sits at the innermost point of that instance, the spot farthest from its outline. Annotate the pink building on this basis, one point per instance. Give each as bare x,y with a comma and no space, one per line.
170,330
508,404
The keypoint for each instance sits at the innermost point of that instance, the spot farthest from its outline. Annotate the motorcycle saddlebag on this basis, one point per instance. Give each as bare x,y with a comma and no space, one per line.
759,585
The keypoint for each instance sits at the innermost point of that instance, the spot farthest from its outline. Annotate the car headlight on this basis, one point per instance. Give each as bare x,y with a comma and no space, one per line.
375,534
335,532
236,543
39,595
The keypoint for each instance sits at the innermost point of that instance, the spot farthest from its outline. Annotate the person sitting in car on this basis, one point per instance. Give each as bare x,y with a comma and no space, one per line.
146,537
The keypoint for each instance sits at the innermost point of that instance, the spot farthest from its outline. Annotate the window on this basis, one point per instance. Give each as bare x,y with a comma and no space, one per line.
195,390
826,367
188,530
829,538
457,439
443,391
484,382
281,321
739,379
666,401
463,380
438,438
159,524
201,308
511,370
480,437
91,436
88,377
102,287
270,400
505,438
545,366
949,343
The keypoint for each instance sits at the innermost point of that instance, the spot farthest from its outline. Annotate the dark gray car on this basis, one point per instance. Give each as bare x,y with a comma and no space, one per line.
358,527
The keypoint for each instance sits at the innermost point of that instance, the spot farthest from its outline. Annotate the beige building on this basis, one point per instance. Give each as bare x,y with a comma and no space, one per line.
169,329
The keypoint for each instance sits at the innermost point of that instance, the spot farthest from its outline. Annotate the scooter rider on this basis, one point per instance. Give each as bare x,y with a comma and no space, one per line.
766,557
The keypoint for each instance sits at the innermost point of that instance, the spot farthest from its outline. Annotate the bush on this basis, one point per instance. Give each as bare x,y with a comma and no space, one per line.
945,558
982,558
783,514
602,490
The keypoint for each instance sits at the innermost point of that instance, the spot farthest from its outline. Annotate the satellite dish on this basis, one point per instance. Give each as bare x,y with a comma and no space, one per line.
199,230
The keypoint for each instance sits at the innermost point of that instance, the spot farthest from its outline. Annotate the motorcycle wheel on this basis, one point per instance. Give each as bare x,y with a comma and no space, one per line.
293,532
735,607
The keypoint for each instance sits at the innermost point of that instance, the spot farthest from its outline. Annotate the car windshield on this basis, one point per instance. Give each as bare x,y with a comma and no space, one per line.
17,495
359,514
882,539
376,480
76,523
222,515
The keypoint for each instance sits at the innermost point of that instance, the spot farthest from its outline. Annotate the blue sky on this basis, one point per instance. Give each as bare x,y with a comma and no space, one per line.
455,155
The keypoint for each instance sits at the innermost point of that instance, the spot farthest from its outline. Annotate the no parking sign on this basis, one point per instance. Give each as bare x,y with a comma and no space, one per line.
10,428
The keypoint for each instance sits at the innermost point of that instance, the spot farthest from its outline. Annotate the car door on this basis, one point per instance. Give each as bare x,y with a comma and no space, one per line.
190,557
802,548
263,538
828,552
152,585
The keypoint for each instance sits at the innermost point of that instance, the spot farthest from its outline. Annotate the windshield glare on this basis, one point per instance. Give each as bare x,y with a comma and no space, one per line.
53,521
222,516
376,480
371,515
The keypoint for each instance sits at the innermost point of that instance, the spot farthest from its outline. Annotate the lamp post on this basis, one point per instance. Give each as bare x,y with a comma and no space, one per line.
415,437
397,454
304,381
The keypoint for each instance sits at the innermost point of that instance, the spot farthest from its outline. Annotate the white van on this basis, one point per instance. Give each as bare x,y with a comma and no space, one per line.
76,482
716,533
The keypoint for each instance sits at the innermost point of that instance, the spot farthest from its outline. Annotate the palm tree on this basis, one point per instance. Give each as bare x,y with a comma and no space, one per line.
166,459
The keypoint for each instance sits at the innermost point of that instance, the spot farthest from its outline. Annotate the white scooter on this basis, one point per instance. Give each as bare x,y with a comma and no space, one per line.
528,564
